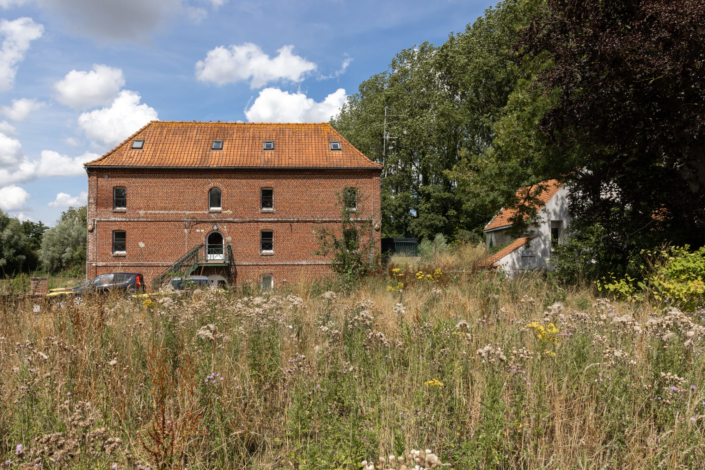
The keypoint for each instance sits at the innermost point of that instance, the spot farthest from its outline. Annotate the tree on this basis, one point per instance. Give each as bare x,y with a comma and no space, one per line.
12,245
64,245
626,128
441,104
34,232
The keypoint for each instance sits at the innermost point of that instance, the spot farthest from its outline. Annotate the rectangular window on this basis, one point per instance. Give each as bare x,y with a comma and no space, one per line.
267,242
267,199
335,146
350,197
269,145
119,241
119,197
217,145
137,144
350,239
556,233
267,281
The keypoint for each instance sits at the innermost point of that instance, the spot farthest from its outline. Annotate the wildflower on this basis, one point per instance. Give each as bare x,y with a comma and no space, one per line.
434,383
18,449
692,419
692,387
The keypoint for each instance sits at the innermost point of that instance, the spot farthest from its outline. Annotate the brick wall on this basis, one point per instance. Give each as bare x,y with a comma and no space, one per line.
167,215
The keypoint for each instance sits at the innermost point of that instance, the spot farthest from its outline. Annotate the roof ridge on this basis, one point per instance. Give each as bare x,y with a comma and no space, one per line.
551,188
110,152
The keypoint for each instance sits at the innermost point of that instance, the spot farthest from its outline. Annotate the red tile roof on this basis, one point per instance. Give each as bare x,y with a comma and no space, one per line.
551,187
515,245
188,145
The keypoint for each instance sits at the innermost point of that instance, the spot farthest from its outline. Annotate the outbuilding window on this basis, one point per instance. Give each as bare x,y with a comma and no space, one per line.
119,197
214,199
335,145
217,145
119,241
269,145
138,144
267,241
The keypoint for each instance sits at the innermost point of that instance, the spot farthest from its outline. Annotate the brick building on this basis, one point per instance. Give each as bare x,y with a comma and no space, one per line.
232,201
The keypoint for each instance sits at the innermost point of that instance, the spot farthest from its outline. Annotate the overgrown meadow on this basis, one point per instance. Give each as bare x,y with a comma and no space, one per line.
451,369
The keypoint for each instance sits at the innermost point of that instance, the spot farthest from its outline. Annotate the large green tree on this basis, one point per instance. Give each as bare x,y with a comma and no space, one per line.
627,127
12,245
64,245
441,104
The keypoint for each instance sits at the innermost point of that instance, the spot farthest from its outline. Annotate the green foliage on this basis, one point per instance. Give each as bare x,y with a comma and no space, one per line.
12,245
351,248
441,104
429,248
671,275
64,245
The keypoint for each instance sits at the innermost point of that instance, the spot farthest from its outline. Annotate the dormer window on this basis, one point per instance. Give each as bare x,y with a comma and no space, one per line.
217,145
137,144
335,145
269,145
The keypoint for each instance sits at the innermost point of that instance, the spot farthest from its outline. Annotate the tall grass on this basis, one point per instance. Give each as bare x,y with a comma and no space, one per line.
308,378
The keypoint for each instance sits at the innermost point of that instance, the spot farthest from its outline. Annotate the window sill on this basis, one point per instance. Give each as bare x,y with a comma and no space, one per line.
122,209
267,210
215,210
120,253
266,253
351,209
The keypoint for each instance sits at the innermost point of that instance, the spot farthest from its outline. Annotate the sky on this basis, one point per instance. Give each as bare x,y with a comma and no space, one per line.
77,77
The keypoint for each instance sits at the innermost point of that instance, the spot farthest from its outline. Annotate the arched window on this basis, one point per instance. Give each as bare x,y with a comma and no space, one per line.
214,199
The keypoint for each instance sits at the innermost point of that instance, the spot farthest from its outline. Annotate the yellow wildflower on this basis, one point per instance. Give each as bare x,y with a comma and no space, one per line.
434,383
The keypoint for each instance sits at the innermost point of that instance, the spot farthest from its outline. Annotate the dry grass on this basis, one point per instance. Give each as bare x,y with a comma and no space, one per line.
300,378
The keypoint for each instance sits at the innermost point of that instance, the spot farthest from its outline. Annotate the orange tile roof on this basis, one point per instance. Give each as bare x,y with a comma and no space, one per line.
188,145
502,219
515,245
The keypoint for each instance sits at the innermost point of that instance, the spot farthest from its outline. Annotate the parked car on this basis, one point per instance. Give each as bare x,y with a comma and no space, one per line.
126,282
178,286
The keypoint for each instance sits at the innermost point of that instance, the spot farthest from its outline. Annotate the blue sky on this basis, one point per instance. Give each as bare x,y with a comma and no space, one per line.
79,76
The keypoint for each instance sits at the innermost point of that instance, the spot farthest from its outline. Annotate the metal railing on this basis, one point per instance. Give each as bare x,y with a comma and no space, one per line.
197,256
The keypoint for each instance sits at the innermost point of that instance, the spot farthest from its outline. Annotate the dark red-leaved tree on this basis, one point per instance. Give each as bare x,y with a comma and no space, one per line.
631,80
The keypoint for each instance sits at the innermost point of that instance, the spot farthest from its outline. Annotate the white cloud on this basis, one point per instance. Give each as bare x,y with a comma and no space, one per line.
274,105
83,90
22,217
11,154
11,3
196,14
218,3
18,36
112,125
13,198
66,200
72,142
50,164
338,73
247,62
6,128
21,108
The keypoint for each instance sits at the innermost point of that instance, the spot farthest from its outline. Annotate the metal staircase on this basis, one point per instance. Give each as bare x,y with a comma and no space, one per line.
200,255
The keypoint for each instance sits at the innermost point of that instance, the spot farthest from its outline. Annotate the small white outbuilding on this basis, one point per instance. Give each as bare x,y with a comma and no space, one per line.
532,251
